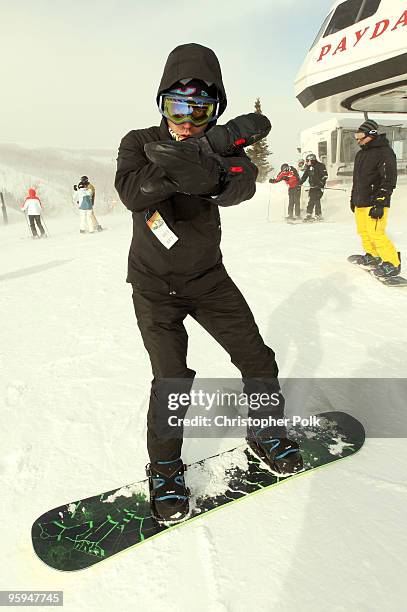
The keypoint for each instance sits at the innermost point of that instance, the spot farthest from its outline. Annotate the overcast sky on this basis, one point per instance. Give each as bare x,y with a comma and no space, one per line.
80,74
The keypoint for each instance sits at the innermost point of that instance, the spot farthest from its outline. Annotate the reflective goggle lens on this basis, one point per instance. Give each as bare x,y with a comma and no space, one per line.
178,110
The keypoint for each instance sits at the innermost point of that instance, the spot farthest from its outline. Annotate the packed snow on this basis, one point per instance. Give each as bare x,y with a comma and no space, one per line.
74,391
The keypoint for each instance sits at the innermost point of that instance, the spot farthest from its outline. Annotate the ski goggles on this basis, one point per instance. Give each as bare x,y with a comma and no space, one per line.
181,109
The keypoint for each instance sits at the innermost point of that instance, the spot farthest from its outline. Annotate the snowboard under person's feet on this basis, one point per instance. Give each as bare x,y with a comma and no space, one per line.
385,270
281,455
367,261
169,497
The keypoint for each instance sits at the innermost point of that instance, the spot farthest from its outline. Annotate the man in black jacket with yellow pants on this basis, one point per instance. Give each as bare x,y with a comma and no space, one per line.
374,179
173,178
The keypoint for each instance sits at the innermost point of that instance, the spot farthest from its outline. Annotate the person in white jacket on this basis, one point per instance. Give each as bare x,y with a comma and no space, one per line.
84,182
85,204
33,207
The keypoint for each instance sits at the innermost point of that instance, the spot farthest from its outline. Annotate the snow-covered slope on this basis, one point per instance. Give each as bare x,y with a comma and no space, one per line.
74,391
53,172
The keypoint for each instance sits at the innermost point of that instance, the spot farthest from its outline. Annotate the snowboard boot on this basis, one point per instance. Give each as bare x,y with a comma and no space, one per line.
99,228
367,261
308,218
281,455
385,270
319,218
169,497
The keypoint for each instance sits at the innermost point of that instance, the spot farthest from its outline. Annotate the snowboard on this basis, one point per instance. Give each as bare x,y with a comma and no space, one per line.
80,534
293,220
391,281
312,220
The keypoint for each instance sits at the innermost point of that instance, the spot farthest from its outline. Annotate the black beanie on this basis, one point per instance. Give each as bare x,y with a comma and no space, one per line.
369,127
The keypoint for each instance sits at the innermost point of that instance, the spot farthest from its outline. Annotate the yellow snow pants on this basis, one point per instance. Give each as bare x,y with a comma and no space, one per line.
372,233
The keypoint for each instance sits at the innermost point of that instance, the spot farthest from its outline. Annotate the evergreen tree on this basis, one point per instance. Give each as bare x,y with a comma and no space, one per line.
259,152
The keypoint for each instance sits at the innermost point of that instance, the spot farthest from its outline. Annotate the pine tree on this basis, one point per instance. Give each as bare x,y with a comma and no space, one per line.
259,152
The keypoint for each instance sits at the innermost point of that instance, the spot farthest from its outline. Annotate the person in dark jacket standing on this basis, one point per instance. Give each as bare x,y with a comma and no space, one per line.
172,178
374,179
317,175
290,175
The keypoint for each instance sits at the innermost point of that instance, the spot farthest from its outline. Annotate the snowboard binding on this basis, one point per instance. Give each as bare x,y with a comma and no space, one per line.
281,455
169,496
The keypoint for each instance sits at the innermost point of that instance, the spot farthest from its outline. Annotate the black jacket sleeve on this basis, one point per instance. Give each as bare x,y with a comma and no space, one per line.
133,169
239,180
323,175
388,170
304,176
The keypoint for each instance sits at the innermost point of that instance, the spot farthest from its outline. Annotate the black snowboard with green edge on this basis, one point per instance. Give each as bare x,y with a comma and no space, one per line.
389,281
79,534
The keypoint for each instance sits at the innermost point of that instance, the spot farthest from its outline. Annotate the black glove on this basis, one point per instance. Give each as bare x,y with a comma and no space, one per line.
161,186
352,207
187,164
75,187
272,180
239,180
377,211
243,131
382,198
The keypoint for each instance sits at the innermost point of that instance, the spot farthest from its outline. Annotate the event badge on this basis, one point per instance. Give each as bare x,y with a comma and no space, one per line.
161,230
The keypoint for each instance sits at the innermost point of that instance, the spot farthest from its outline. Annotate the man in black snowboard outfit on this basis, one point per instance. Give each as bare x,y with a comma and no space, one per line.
172,178
317,176
374,180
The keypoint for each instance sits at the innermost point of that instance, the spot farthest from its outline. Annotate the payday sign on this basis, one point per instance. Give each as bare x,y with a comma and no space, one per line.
364,34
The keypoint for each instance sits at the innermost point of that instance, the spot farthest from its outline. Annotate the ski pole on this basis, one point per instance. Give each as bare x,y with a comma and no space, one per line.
268,205
335,189
28,224
45,225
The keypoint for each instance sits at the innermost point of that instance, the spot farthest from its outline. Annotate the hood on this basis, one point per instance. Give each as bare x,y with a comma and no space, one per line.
32,193
379,141
195,62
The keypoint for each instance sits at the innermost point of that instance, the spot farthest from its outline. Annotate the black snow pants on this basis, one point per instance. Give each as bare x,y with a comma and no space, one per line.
314,201
224,313
36,219
294,199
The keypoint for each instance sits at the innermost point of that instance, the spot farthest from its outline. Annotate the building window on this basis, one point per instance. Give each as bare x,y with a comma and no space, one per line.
350,12
322,29
323,151
349,147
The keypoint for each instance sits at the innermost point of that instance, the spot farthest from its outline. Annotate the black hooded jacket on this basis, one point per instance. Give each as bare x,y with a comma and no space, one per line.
316,175
195,220
375,168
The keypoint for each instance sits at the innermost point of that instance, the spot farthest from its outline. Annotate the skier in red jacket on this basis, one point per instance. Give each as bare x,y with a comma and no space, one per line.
290,175
33,208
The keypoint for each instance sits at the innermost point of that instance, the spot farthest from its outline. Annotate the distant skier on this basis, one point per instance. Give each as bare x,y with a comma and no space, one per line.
316,175
374,179
85,181
33,207
173,178
290,175
85,205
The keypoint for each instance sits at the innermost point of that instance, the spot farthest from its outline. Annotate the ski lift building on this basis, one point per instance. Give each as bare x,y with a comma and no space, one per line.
358,61
333,141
